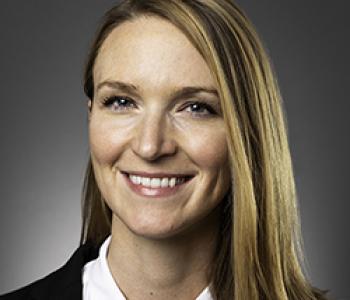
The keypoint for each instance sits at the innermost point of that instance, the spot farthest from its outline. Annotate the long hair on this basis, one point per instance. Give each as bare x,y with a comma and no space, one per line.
260,250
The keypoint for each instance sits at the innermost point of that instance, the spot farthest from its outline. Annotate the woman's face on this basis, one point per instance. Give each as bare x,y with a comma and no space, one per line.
157,135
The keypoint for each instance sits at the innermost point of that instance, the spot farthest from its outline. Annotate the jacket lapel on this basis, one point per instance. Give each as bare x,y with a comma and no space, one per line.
66,282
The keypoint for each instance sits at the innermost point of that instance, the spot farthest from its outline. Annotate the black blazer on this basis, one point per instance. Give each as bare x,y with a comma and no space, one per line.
65,283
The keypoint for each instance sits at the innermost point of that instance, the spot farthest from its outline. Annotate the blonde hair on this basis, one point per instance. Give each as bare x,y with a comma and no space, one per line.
259,254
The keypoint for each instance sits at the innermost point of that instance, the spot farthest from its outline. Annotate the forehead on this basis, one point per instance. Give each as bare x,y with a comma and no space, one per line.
153,53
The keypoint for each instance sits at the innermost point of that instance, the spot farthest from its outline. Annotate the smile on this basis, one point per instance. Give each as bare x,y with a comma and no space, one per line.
156,182
156,185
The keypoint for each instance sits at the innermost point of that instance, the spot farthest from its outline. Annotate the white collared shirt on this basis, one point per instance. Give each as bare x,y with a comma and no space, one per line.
98,282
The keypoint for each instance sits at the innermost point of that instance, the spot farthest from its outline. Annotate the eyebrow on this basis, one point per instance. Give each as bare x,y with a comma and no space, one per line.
182,92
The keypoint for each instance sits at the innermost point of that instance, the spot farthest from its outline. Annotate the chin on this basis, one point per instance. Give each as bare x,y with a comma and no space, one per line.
159,228
155,230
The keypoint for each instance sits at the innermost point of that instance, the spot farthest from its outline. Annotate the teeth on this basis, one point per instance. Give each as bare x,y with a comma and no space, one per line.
172,182
156,182
146,181
165,182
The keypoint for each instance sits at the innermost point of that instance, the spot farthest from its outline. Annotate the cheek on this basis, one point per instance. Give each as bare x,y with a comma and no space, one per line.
208,148
107,140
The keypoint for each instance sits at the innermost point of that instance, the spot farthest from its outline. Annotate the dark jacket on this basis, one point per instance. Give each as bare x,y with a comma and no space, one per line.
65,283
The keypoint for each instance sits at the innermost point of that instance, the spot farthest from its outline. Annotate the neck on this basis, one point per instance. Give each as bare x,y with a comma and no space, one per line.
175,267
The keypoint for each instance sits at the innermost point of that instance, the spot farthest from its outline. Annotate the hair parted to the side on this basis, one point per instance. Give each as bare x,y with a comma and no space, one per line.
260,251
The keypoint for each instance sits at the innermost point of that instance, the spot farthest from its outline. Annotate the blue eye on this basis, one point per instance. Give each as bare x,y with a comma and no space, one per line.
200,108
119,103
123,103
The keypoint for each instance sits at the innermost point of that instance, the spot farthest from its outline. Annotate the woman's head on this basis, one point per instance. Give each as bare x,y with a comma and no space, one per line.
258,247
155,119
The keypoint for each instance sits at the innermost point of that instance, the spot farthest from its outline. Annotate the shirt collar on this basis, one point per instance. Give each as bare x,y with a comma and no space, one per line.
98,282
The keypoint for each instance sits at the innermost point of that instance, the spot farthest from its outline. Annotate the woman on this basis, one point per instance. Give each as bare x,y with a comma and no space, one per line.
189,193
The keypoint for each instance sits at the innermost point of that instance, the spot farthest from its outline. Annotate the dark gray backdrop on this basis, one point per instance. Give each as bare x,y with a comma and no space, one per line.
43,127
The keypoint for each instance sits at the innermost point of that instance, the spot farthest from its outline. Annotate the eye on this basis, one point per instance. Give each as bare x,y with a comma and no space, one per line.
200,109
119,103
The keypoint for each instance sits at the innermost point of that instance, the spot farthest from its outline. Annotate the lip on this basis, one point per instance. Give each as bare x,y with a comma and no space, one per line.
155,192
158,174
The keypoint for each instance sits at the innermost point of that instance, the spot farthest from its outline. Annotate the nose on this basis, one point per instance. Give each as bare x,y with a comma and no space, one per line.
154,138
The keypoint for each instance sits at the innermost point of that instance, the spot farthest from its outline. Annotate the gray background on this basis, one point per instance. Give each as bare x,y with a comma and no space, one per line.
43,128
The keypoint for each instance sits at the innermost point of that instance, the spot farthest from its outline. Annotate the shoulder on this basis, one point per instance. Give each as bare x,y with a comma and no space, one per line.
19,294
64,283
31,291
